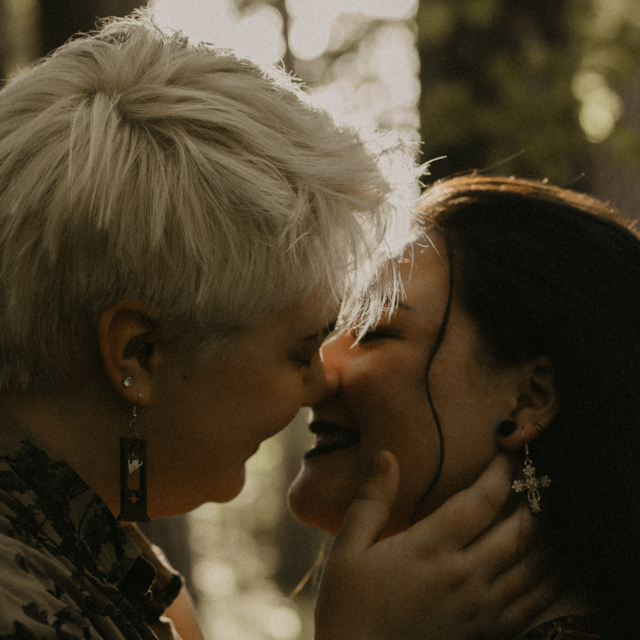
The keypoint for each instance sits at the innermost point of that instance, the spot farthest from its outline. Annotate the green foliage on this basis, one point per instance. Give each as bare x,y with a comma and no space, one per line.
532,86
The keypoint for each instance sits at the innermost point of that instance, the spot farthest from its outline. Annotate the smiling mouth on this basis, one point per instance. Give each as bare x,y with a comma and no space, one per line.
331,437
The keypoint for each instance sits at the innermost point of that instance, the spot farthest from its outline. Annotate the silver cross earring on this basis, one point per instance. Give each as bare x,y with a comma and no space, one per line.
531,484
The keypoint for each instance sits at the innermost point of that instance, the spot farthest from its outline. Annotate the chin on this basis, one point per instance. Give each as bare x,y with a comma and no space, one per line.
312,509
227,488
220,490
322,502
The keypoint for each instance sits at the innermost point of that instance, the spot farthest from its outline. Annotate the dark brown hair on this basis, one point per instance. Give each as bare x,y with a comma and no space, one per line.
549,271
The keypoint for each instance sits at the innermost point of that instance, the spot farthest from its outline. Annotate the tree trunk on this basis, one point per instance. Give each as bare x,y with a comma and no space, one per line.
4,41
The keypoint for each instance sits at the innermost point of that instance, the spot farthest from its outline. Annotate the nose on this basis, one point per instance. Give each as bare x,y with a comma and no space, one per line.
315,383
325,373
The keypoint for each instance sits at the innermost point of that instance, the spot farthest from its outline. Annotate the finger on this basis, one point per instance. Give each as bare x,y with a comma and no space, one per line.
516,598
517,580
522,612
369,512
468,513
505,543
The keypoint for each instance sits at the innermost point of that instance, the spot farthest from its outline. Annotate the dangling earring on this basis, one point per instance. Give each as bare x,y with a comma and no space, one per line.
530,483
133,470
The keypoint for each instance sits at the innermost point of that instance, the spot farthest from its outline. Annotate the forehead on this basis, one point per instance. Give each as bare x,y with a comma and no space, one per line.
313,314
425,277
426,282
304,319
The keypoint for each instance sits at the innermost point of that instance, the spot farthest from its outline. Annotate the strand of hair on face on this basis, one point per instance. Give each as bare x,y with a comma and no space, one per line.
434,350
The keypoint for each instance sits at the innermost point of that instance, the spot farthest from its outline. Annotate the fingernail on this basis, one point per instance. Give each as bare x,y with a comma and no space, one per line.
380,465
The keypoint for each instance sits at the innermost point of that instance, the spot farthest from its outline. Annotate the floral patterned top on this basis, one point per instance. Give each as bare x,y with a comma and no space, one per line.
67,568
577,627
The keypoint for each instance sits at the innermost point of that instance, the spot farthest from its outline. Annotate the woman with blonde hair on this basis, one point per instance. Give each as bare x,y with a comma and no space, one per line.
178,231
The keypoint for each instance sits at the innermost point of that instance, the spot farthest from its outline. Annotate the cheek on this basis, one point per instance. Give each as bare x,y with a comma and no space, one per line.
276,402
418,456
263,404
467,418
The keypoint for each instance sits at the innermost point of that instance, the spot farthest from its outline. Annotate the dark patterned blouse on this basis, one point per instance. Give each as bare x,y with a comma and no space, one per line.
67,568
566,628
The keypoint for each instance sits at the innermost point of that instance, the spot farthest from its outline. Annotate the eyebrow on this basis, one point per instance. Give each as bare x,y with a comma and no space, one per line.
322,334
397,304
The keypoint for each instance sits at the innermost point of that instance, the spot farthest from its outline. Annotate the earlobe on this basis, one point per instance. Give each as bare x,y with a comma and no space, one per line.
126,344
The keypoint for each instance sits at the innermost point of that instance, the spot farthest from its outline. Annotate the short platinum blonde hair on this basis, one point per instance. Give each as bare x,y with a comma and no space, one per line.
135,165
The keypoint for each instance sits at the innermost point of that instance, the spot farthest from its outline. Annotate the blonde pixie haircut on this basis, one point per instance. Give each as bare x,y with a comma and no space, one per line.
134,165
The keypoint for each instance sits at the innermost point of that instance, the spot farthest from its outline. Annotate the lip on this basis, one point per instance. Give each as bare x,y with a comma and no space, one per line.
331,437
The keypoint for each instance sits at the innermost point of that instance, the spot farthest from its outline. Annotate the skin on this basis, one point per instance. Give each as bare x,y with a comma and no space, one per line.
205,423
202,423
376,387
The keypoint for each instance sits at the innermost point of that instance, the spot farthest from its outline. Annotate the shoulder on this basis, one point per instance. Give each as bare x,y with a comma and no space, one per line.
40,597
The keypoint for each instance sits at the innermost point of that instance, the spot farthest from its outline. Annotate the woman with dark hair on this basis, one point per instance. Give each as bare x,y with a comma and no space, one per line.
519,331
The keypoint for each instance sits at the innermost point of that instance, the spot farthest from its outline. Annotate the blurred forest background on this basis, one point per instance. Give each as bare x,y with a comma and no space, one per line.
548,89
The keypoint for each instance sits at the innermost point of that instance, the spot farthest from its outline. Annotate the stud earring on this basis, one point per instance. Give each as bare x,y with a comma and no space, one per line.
531,484
133,470
506,428
128,382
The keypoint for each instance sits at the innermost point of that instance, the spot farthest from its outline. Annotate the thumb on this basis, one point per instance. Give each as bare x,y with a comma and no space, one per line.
369,512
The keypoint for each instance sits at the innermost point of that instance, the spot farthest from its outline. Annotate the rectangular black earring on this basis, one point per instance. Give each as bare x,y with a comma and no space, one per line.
133,472
133,480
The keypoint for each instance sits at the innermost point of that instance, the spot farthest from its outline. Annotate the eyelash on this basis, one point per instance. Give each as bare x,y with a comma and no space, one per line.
305,362
378,334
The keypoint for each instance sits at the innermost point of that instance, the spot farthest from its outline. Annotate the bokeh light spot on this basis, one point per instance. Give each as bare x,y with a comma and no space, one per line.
601,107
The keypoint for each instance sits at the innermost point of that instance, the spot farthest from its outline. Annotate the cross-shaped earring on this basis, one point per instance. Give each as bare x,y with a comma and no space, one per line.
530,483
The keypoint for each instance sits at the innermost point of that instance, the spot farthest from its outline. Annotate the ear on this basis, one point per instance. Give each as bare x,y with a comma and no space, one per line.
128,348
536,404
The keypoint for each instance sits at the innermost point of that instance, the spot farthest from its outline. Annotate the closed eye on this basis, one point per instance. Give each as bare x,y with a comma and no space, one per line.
379,333
305,359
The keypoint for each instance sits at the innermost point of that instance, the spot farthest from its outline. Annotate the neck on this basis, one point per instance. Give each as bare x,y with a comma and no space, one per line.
82,428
